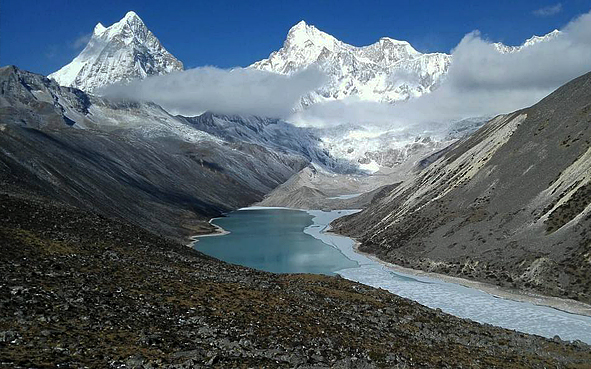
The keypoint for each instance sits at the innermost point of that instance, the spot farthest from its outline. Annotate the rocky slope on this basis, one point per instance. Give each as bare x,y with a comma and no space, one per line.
125,51
383,160
510,205
128,159
273,134
80,290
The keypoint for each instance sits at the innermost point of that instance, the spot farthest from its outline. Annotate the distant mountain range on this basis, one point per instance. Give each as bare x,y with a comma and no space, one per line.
386,71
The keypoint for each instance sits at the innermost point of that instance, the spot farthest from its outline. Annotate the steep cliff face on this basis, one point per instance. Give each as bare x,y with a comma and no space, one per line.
509,205
125,51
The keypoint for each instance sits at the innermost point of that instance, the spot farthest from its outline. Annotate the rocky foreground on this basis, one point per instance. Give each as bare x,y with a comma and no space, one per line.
81,290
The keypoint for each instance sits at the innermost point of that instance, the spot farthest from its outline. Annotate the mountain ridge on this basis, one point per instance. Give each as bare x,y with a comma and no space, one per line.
356,71
510,205
129,159
388,70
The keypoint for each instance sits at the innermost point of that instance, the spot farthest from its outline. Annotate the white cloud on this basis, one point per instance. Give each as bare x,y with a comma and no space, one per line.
236,91
548,10
81,41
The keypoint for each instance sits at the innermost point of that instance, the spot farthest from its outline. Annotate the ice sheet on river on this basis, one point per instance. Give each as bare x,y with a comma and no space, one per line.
452,298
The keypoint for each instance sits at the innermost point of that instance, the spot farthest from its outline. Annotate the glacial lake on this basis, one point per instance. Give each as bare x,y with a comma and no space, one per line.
273,240
292,241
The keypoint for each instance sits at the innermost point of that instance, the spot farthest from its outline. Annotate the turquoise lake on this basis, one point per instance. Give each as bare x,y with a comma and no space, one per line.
273,240
291,241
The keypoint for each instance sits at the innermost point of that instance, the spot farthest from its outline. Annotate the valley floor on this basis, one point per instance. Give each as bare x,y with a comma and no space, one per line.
79,289
566,305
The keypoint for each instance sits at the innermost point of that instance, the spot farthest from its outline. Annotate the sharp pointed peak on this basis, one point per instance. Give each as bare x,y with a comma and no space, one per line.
124,40
99,28
306,30
131,18
131,15
304,35
301,26
394,41
130,21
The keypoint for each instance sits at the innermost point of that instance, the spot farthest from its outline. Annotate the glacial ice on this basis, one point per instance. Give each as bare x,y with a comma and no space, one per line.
452,298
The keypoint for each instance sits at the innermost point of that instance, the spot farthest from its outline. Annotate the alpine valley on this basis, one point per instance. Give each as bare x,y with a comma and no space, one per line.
99,196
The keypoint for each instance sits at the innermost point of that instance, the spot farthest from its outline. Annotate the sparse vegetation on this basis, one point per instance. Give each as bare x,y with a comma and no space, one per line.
82,290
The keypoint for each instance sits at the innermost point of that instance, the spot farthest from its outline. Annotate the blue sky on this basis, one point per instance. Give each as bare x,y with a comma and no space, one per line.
41,36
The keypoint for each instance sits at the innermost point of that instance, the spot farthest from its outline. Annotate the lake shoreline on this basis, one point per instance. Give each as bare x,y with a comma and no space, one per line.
564,305
450,296
278,227
219,231
568,306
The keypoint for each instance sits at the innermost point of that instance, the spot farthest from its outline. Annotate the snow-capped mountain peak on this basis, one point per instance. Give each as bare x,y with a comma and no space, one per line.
502,48
122,52
388,70
304,35
536,39
388,51
131,15
98,29
303,46
130,27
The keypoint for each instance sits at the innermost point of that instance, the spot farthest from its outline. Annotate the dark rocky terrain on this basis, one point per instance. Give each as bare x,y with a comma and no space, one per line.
510,205
82,290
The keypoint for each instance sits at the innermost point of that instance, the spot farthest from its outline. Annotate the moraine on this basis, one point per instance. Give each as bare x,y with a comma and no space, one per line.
288,241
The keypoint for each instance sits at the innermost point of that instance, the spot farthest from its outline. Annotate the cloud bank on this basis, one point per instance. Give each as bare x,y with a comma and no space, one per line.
80,41
481,82
235,91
